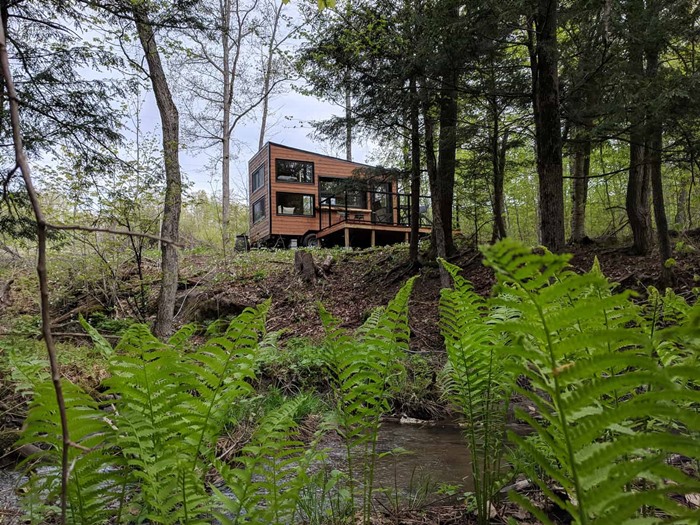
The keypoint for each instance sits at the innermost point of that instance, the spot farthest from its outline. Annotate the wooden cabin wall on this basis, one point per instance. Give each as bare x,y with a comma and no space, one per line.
323,167
260,230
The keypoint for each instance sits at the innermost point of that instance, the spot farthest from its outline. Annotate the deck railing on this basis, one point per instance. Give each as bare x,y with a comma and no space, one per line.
385,208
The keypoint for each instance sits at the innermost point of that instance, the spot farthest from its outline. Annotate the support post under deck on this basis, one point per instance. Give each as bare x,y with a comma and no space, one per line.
347,238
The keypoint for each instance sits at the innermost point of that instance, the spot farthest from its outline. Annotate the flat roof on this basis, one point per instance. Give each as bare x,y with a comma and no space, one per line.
270,143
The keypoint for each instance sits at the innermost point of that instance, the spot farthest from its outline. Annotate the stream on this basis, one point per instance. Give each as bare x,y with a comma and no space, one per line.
435,453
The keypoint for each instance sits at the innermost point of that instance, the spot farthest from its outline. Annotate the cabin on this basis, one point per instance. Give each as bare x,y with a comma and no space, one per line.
301,198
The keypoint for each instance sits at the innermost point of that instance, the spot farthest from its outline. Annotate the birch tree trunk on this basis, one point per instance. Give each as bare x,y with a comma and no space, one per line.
267,77
225,126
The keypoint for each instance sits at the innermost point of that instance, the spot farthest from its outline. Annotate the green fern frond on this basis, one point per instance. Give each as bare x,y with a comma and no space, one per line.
101,344
96,479
265,488
476,380
179,338
365,371
612,410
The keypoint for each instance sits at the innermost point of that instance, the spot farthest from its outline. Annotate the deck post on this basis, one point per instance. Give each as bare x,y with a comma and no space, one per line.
373,235
347,238
406,238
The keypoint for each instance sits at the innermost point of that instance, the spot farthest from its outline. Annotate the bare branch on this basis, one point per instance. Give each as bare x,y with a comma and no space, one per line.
77,227
23,164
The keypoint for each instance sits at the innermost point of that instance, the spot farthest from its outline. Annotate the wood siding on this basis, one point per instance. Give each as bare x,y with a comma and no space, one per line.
260,230
296,225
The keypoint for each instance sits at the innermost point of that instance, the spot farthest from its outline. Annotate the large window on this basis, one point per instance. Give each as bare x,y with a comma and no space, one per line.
258,178
338,192
295,171
259,210
295,204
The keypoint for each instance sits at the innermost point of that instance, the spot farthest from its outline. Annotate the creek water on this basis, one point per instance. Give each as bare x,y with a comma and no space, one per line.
438,454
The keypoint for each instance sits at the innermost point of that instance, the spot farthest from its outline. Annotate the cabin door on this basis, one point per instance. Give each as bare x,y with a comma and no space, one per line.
381,199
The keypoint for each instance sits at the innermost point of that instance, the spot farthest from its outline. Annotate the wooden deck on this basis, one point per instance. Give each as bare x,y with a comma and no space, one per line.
354,233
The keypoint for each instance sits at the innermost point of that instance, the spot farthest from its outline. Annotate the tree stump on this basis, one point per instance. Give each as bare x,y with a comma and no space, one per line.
305,266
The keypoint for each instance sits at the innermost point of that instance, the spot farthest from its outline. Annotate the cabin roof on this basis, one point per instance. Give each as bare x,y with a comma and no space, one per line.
270,143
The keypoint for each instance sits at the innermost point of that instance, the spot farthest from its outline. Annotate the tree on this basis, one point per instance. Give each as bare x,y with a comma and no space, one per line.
586,54
170,128
221,83
60,107
544,63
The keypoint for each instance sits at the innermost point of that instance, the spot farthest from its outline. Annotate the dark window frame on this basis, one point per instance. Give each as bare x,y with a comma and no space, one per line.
360,190
297,181
313,204
264,206
260,168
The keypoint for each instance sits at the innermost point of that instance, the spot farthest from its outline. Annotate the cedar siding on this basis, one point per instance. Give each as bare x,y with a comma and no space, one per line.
310,216
259,230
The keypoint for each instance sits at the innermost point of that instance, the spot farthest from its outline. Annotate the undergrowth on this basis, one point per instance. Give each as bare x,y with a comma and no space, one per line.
616,396
614,383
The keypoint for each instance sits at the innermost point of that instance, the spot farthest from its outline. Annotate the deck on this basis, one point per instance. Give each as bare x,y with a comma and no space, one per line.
362,233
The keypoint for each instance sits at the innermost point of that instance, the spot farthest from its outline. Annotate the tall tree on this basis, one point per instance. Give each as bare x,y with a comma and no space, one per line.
170,128
544,63
60,105
221,81
638,184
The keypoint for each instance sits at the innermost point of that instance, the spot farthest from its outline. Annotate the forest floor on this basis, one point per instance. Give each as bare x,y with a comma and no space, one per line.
212,288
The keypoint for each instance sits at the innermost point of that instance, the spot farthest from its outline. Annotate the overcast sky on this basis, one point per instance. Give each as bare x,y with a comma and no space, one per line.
289,124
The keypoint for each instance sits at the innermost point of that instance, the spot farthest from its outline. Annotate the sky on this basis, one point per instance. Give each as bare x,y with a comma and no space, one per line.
289,124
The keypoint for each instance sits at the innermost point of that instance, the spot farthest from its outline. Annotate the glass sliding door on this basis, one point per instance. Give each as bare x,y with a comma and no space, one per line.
381,202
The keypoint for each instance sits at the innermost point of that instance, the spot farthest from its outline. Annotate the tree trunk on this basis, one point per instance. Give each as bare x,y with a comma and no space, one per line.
545,94
680,219
348,124
267,79
170,123
637,199
447,161
654,167
579,195
437,242
655,130
415,174
498,160
226,126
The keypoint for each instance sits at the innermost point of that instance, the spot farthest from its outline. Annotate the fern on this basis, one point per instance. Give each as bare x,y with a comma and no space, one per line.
597,384
168,409
96,484
476,381
272,472
100,343
366,369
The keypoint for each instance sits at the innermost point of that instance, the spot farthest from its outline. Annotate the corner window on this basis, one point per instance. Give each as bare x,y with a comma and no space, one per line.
295,204
259,210
295,171
342,192
258,179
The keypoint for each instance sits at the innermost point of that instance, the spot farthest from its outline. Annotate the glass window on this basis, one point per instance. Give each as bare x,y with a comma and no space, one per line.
258,178
337,191
295,171
295,204
259,210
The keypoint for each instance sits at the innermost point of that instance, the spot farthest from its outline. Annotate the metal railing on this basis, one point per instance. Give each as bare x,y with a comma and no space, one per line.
385,208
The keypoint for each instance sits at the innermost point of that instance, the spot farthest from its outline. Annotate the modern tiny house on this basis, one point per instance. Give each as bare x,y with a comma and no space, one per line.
301,198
